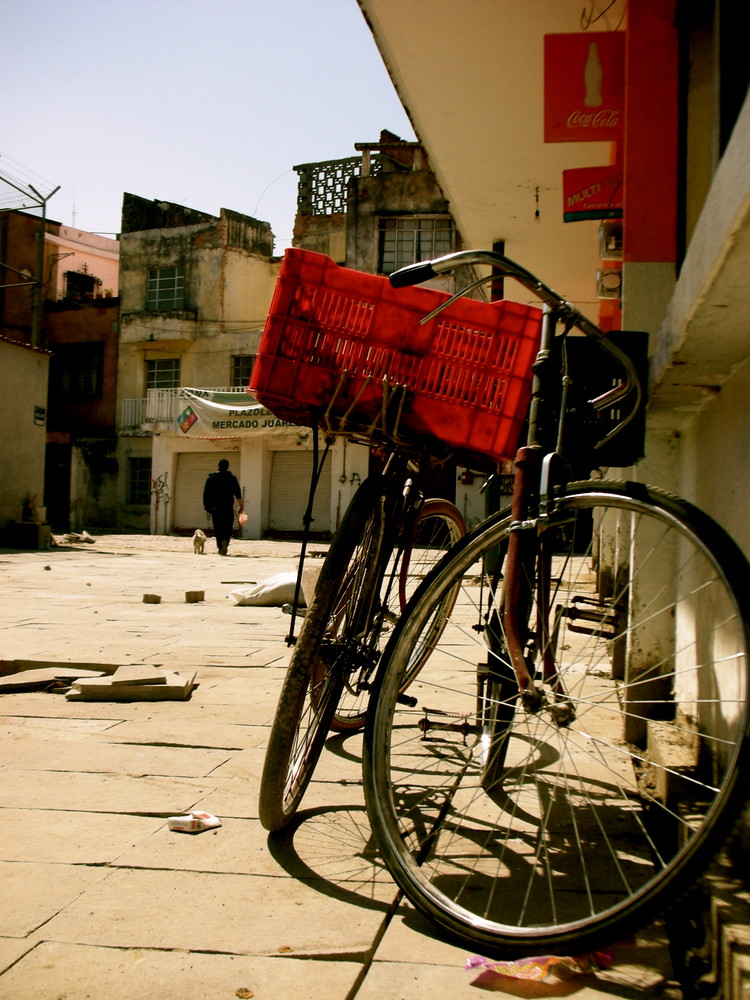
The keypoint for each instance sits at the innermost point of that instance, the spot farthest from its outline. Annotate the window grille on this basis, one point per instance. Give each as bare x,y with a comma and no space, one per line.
78,369
163,373
322,186
166,288
407,239
139,480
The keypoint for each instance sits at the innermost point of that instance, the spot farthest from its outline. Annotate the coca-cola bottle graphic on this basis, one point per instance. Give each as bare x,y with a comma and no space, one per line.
592,78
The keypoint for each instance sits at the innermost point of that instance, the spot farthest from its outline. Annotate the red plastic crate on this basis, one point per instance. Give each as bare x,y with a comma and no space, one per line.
338,342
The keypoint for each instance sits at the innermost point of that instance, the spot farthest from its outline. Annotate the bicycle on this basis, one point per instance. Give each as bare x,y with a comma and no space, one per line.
572,755
323,323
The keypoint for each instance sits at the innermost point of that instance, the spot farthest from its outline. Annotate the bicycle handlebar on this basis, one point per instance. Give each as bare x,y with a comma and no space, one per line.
414,274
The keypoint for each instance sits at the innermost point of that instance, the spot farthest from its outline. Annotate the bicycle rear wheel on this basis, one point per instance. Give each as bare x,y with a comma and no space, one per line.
437,526
609,800
317,669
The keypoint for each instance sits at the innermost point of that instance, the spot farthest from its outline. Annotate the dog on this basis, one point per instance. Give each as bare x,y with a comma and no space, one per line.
199,540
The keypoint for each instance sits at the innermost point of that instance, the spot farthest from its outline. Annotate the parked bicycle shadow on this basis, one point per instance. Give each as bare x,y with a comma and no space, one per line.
332,849
347,746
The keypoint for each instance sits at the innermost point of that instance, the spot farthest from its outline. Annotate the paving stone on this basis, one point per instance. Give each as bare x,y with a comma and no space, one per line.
36,705
39,891
43,677
243,763
240,914
88,792
237,847
173,687
11,951
76,971
421,978
188,733
70,837
125,759
52,727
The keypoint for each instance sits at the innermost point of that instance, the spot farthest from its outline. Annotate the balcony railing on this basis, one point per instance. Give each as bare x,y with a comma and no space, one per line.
162,406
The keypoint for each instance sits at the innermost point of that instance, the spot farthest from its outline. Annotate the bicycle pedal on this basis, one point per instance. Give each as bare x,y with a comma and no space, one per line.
436,720
590,616
407,700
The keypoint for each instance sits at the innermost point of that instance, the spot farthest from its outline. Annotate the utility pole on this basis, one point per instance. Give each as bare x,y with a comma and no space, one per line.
40,201
36,321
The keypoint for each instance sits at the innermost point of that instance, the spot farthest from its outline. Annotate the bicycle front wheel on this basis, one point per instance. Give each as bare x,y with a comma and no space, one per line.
319,665
607,801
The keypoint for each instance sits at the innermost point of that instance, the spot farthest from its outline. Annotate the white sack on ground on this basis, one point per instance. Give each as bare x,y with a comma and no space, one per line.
273,592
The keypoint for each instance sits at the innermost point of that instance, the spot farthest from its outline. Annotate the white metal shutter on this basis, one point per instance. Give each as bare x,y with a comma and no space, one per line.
290,490
192,469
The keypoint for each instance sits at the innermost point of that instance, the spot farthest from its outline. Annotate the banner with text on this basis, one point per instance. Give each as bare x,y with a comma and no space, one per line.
205,413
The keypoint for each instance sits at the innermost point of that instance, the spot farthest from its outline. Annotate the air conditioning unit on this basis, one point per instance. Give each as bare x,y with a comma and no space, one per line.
609,283
610,239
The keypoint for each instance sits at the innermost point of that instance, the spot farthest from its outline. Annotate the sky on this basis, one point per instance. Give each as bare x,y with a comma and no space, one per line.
206,104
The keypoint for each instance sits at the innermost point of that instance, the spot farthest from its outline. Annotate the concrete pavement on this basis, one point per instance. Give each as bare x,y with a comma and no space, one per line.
102,899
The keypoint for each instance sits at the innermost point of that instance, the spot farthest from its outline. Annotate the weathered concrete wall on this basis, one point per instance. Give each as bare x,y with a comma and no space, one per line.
227,291
23,386
322,234
415,192
19,253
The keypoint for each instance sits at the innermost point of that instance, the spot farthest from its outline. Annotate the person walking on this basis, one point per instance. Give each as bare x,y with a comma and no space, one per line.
219,494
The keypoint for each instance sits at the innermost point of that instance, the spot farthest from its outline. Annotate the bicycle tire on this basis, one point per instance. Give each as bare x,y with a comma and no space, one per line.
311,688
437,526
594,826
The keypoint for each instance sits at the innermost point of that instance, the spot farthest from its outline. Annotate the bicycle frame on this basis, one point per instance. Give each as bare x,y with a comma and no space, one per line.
540,470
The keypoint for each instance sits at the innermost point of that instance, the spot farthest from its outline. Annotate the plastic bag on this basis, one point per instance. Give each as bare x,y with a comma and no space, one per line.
538,968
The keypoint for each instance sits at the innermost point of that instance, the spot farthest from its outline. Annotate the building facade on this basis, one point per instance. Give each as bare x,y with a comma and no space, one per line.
81,473
59,300
194,291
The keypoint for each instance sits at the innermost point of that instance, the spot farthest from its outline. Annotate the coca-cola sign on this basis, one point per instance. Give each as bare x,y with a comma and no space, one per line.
583,86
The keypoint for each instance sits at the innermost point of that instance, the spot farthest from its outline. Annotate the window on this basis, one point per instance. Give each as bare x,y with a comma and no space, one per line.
139,480
78,369
242,367
408,239
166,288
163,373
80,284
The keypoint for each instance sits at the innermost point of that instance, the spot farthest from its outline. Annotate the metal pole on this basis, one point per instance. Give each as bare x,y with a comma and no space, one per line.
36,321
